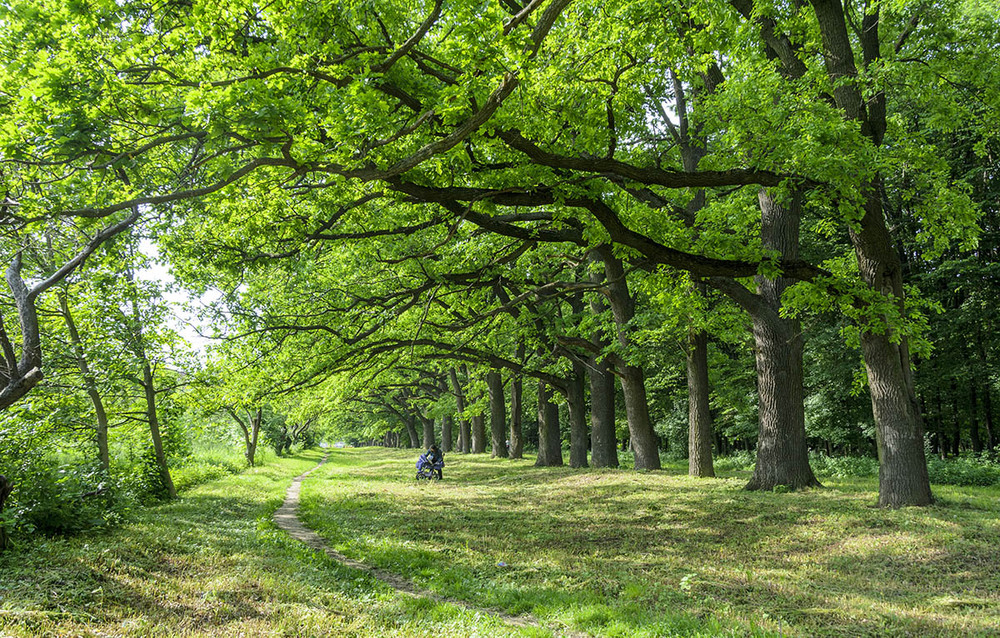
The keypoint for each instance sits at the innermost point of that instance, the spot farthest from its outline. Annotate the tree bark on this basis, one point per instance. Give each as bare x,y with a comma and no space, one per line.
447,423
478,434
517,416
643,439
782,454
699,417
6,487
411,429
991,437
498,414
154,431
977,440
549,441
903,478
577,405
956,422
250,430
89,384
428,426
603,438
464,435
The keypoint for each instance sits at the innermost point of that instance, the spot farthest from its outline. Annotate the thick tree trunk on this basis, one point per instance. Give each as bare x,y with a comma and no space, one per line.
603,442
89,384
464,435
411,430
498,414
903,478
154,431
641,435
428,426
782,454
549,441
479,434
699,416
447,424
576,402
516,418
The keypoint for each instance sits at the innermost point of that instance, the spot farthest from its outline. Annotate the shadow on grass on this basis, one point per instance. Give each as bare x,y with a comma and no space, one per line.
627,547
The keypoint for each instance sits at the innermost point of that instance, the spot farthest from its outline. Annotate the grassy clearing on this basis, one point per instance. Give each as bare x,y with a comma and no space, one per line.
626,554
210,564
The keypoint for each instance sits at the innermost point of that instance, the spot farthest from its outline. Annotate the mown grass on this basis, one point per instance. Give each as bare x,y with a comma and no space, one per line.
617,553
210,564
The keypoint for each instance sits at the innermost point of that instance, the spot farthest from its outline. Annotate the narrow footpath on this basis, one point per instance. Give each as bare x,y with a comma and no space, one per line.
287,518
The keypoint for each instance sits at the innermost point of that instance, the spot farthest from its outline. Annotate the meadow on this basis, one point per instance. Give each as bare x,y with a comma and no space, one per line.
605,553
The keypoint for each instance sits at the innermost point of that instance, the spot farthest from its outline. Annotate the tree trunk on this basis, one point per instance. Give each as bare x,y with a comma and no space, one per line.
782,455
154,431
576,402
428,424
89,384
903,478
411,429
956,422
516,416
603,443
699,416
991,437
6,487
633,381
549,441
447,423
498,414
977,441
479,434
464,435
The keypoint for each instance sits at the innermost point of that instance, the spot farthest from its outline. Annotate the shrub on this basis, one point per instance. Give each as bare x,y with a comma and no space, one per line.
844,466
738,461
963,471
55,499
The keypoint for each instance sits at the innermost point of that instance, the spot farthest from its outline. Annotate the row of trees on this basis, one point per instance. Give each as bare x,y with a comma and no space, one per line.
562,196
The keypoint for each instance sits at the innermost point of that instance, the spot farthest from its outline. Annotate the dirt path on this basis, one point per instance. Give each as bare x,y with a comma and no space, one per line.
286,517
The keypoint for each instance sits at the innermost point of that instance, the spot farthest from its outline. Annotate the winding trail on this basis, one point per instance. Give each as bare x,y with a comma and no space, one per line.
286,517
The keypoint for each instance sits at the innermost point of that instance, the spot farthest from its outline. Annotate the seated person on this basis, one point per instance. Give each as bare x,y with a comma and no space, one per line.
436,458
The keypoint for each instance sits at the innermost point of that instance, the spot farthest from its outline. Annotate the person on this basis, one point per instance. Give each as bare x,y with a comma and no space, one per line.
436,457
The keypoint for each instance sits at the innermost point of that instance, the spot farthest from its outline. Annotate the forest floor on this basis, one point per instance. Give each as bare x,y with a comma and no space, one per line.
609,553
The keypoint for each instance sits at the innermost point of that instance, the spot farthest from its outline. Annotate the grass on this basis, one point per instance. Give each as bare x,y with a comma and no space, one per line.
209,564
655,554
610,553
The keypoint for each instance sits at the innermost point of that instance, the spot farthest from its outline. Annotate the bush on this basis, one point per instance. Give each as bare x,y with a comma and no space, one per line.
844,466
963,471
55,499
739,461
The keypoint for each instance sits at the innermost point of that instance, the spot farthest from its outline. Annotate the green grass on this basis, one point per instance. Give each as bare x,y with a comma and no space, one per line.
210,564
654,554
610,553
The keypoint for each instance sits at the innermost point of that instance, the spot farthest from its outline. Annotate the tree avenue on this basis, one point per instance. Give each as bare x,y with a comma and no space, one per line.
636,231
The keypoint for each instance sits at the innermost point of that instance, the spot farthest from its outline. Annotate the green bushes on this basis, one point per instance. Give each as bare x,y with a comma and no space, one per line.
962,471
59,499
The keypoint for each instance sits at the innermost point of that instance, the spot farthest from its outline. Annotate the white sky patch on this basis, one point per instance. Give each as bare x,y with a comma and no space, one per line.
180,302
